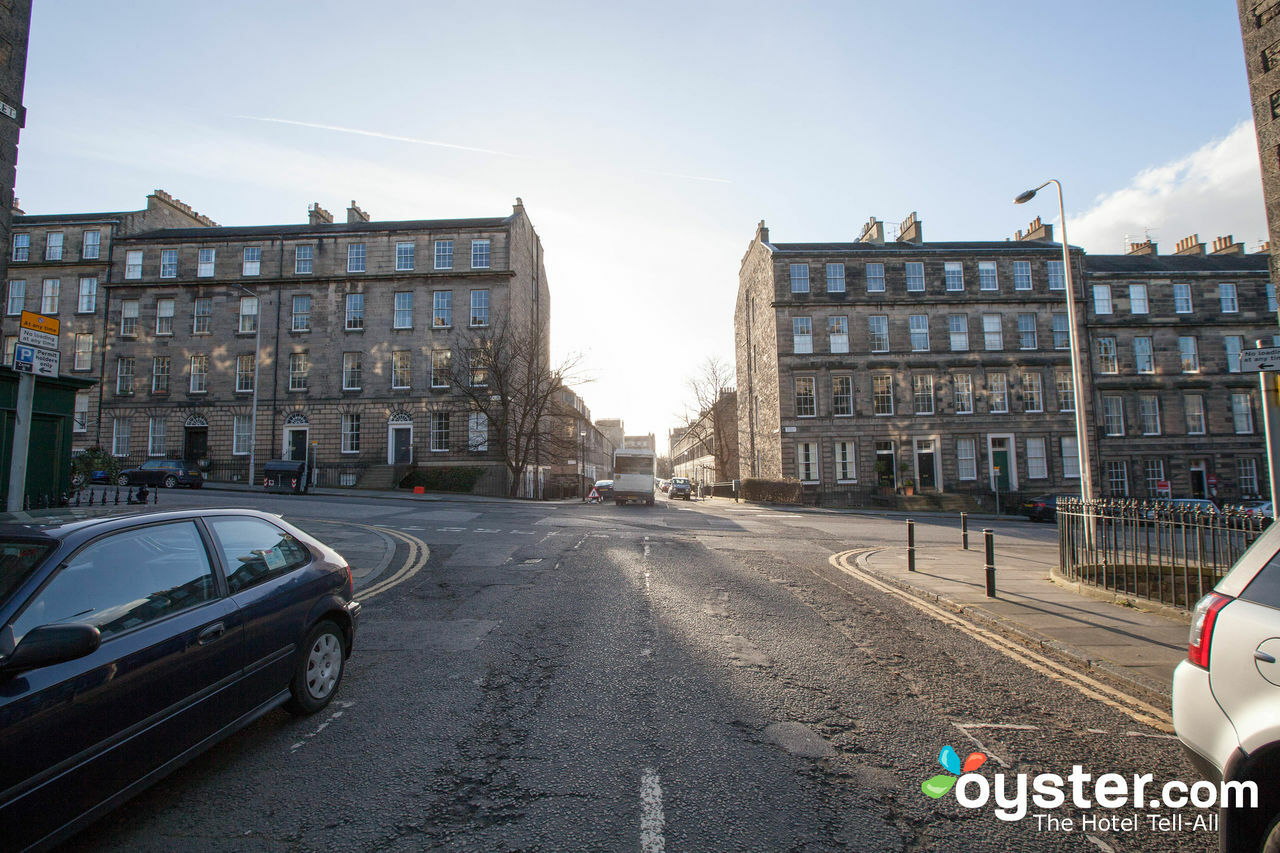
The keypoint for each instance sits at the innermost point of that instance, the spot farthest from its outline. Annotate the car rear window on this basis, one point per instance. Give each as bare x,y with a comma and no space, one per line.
254,550
17,559
1265,587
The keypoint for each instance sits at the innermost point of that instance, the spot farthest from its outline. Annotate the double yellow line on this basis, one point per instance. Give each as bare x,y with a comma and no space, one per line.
419,553
1144,713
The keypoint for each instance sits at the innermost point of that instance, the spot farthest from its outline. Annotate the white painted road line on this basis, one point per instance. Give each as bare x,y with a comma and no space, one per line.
487,530
451,529
652,823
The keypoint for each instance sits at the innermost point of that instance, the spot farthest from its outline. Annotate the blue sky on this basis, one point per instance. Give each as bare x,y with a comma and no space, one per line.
647,140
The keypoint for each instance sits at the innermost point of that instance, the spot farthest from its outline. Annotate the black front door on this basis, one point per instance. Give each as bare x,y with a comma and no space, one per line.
196,446
298,445
402,452
924,465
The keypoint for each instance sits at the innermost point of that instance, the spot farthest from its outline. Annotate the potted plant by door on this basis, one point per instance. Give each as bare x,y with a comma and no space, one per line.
908,486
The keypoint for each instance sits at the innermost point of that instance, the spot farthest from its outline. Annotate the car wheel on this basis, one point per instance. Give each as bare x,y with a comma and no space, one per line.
122,480
171,482
319,670
77,480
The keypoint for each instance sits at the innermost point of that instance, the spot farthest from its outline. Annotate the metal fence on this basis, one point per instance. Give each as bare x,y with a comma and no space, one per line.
1151,549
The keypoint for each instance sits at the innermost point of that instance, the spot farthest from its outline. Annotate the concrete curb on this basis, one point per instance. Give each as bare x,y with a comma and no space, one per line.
1146,688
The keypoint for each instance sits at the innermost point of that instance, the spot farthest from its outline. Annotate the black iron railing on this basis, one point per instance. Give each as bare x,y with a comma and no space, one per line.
1152,549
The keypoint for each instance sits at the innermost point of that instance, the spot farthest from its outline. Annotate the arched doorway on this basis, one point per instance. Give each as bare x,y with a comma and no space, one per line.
195,440
297,434
400,439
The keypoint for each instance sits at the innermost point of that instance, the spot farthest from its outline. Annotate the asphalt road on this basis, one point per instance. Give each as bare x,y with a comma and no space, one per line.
685,678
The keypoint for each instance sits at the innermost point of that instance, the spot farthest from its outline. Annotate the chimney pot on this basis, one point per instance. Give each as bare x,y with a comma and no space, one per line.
317,215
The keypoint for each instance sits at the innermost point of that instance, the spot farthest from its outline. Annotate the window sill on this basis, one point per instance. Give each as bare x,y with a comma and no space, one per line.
297,390
402,328
299,331
197,393
440,328
439,388
351,390
350,329
244,334
401,388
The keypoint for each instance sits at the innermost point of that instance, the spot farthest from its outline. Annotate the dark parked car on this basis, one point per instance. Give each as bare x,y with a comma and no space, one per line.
680,488
128,645
169,473
1043,508
604,488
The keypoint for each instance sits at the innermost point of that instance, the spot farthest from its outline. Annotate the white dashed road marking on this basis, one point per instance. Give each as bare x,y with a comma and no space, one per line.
652,823
334,717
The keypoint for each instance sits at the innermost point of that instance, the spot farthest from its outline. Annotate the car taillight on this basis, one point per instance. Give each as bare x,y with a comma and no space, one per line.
1202,620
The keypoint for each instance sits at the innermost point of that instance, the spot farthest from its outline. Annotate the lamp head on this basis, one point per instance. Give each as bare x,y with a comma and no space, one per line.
1025,197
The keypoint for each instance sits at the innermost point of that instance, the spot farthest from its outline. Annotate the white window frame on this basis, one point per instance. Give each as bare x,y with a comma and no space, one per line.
953,275
875,277
882,393
300,321
1188,354
988,280
90,245
807,461
299,368
1032,392
1102,304
1234,345
157,433
1070,456
1112,415
83,354
919,326
165,306
478,432
1144,356
480,308
1057,275
17,297
133,264
353,313
480,254
352,371
845,454
1193,409
879,341
963,383
401,369
356,257
442,309
1108,360
922,391
806,391
53,246
245,363
160,377
241,434
87,299
959,332
120,436
252,261
350,433
1138,302
1242,413
1028,339
129,310
444,254
248,315
838,333
1022,275
441,367
802,335
21,248
966,459
124,375
914,271
1149,414
402,313
207,263
201,362
168,263
1037,459
80,414
303,260
1182,303
998,392
50,295
799,274
406,256
842,398
197,315
835,278
993,332
439,432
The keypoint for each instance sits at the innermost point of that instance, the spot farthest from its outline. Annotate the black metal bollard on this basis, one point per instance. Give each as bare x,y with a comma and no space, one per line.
77,498
911,545
990,536
91,497
117,495
129,497
155,496
964,530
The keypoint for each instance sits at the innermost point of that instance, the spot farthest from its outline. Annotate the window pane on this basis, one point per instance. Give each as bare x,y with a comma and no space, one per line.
254,550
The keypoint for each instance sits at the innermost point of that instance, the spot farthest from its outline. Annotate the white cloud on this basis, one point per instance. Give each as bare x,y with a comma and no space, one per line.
1212,192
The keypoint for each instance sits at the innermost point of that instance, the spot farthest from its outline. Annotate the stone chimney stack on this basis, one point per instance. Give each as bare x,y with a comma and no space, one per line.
1146,247
518,207
1036,230
317,215
910,230
872,232
762,232
1227,246
1189,246
355,214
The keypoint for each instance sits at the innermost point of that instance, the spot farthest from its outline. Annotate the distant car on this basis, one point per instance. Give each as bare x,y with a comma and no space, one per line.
1257,507
680,488
169,473
664,485
604,488
1043,508
1226,694
130,644
98,477
1190,505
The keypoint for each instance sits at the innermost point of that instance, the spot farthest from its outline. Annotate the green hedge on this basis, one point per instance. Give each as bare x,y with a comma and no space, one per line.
773,491
455,478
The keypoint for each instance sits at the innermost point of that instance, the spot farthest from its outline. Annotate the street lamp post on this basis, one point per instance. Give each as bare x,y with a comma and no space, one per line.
257,357
1077,373
582,472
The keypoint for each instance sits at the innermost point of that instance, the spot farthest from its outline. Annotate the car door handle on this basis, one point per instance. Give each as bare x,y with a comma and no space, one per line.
213,632
1259,654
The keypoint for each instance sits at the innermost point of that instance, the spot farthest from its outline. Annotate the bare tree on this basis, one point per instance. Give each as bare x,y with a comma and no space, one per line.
505,374
710,419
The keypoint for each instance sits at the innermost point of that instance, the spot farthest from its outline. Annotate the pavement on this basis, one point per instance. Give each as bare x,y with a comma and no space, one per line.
1120,640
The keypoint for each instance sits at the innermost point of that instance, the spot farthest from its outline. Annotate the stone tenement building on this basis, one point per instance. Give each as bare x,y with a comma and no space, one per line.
1166,333
1260,30
945,367
59,266
350,337
15,27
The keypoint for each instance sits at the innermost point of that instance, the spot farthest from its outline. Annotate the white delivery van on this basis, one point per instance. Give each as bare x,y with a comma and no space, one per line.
633,476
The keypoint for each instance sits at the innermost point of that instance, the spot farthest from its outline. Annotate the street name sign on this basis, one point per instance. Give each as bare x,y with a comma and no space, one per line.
1267,358
38,330
41,362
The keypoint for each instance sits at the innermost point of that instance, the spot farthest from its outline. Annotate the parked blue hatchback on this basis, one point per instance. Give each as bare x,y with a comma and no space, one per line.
130,644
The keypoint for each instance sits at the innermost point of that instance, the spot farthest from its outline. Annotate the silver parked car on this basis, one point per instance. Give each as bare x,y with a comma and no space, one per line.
1226,694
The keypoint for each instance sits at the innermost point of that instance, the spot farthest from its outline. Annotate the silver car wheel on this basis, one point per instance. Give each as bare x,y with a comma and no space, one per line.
324,665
